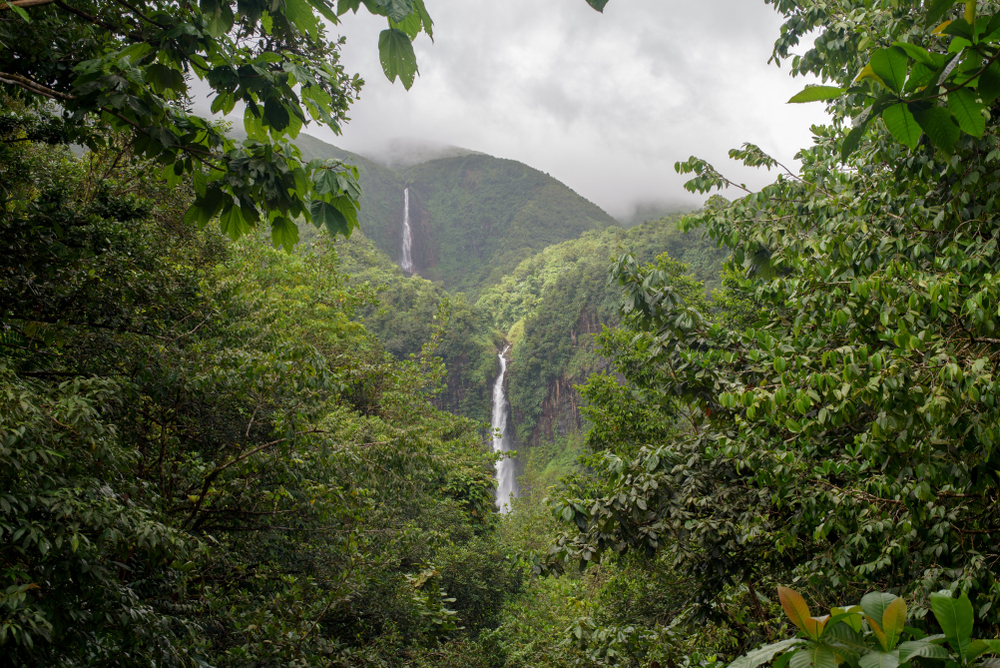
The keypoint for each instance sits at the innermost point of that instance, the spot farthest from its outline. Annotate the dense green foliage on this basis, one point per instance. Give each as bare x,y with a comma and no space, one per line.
219,454
128,66
412,312
208,460
836,423
552,303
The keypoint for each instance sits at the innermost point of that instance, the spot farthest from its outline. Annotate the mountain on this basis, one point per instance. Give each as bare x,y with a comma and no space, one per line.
474,217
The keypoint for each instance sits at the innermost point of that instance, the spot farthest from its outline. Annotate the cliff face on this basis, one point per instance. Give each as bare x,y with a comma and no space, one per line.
545,403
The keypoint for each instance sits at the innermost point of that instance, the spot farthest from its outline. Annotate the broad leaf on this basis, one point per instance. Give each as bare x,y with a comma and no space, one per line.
968,111
395,52
879,660
844,639
398,10
940,126
875,604
233,223
868,73
936,9
917,53
915,648
814,656
817,93
24,15
955,618
284,233
598,4
958,28
893,622
795,607
764,654
989,83
890,66
300,14
326,215
902,126
851,617
879,633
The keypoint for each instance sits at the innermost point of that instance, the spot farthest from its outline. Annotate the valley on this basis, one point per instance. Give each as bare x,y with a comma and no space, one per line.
265,403
521,262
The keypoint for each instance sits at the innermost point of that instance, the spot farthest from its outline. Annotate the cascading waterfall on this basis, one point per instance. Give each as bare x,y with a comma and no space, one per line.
506,480
407,262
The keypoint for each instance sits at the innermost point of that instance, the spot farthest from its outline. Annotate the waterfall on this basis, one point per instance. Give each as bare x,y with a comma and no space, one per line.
407,263
506,482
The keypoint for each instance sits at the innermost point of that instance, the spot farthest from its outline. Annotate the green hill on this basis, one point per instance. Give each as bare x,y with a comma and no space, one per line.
474,217
477,217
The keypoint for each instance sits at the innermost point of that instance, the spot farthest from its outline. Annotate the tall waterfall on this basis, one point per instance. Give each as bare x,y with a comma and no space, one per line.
507,482
407,262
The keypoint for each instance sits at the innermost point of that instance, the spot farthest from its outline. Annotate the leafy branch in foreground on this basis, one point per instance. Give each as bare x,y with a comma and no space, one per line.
133,67
938,80
869,635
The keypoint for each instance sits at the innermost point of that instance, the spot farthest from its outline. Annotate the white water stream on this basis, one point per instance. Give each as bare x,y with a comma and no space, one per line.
506,480
407,262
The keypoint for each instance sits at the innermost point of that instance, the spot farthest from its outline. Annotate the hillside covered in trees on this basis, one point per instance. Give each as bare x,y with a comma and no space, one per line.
234,432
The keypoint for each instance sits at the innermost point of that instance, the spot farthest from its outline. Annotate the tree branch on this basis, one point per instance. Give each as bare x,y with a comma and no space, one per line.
34,86
24,3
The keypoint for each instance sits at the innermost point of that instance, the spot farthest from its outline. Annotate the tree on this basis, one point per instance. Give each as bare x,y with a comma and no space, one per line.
848,437
128,66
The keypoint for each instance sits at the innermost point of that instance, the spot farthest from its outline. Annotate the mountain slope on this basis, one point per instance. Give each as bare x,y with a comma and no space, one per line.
474,217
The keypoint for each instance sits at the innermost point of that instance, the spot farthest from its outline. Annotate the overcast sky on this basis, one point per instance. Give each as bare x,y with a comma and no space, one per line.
606,103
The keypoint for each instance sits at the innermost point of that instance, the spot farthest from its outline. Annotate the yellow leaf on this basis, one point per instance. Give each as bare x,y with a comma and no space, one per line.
797,610
879,633
940,28
869,73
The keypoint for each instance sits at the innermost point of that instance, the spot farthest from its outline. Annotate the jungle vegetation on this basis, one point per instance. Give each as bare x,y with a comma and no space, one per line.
217,452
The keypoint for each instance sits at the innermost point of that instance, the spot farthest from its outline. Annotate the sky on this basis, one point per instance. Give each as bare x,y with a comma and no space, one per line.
606,103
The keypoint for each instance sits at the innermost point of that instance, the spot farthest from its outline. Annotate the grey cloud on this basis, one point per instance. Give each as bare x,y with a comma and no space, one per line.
606,103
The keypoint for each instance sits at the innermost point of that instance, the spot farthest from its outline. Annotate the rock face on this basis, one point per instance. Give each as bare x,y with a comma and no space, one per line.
559,413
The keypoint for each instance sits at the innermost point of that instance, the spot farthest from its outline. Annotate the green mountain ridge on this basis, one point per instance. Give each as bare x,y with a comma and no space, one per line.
474,217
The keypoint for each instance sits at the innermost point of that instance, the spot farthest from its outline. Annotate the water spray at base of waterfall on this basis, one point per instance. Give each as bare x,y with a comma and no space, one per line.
506,478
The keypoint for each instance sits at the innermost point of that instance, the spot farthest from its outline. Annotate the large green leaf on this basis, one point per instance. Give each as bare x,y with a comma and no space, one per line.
936,10
814,656
940,126
874,604
395,52
879,660
915,648
233,223
762,655
968,111
398,10
904,128
301,15
844,639
890,66
598,4
284,233
989,83
917,53
326,215
955,618
817,93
